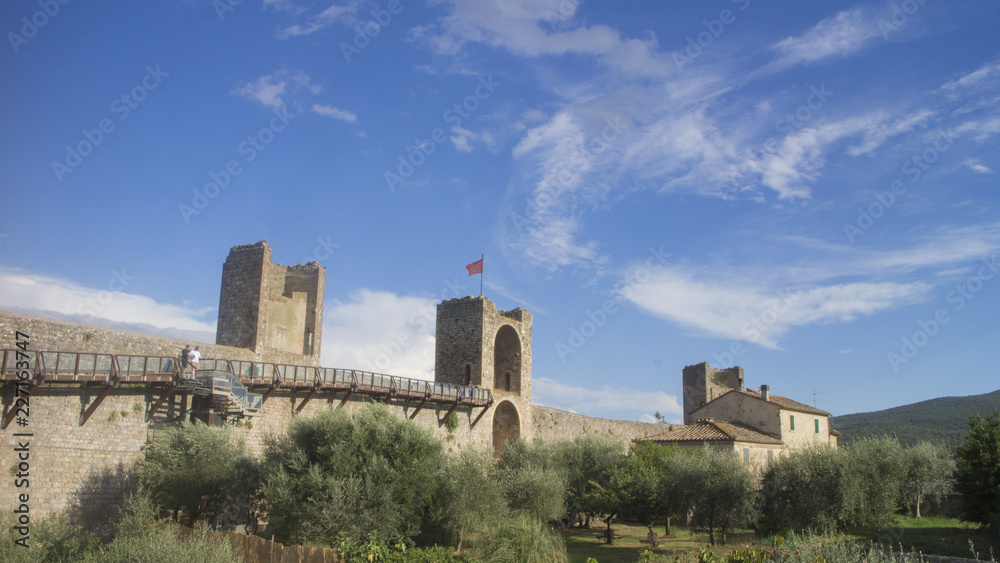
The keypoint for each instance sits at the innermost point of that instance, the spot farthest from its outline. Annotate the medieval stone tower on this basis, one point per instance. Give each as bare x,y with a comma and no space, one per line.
274,310
478,345
703,384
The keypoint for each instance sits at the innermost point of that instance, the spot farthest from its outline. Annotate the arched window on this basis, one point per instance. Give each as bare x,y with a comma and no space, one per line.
507,360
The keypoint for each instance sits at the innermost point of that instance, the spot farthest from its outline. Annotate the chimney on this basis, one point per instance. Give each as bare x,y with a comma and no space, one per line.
765,392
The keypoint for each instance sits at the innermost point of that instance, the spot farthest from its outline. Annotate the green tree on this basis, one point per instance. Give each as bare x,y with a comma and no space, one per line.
929,472
803,491
474,499
586,461
977,477
337,474
190,468
531,480
876,471
722,490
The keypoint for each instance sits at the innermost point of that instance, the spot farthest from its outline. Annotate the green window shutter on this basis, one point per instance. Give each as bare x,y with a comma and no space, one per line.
817,425
791,418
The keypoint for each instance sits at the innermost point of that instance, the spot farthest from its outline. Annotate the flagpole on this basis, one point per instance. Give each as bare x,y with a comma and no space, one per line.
482,258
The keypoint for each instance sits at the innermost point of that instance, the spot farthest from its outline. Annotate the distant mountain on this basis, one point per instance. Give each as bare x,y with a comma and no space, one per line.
937,420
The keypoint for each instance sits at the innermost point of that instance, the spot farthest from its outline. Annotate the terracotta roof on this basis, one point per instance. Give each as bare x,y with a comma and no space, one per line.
783,402
708,430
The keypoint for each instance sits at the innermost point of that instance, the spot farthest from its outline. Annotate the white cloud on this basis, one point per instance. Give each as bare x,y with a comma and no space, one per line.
839,284
616,402
335,113
839,36
885,129
23,291
976,166
981,129
984,77
800,157
739,309
533,28
269,88
316,22
382,332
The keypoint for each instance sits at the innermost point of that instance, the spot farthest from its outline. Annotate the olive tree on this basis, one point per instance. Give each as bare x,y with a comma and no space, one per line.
977,478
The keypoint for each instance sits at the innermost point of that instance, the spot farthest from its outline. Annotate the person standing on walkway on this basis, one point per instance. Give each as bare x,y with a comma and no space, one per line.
194,357
185,357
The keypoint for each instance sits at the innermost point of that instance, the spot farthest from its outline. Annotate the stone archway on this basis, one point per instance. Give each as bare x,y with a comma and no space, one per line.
507,360
506,426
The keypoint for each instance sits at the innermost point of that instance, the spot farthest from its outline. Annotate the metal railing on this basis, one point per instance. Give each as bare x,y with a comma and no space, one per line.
86,366
222,383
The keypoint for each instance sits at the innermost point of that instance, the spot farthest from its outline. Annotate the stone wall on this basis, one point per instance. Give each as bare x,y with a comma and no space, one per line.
553,424
65,336
88,467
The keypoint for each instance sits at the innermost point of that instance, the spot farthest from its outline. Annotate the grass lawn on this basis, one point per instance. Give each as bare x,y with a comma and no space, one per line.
930,535
582,543
935,535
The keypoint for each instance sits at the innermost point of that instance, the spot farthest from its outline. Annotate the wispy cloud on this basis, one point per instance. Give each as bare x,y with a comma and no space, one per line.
316,22
842,35
839,284
335,113
977,166
616,402
269,88
541,27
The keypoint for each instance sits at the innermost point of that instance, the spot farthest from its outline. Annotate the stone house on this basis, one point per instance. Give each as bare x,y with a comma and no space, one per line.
721,412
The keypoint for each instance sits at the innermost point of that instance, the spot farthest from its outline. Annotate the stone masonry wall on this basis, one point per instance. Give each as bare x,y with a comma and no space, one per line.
241,299
554,424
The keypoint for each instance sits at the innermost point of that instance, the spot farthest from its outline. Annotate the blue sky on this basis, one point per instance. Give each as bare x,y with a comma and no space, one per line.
808,191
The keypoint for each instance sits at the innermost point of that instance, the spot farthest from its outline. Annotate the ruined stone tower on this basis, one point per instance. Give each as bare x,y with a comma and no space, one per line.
478,345
274,310
703,384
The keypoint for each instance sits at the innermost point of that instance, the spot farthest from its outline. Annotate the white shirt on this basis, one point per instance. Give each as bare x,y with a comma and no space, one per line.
194,356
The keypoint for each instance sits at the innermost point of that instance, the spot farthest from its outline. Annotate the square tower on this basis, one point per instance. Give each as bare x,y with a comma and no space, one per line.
480,346
703,384
274,310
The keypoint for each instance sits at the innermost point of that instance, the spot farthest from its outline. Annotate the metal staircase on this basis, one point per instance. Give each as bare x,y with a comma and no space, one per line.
230,396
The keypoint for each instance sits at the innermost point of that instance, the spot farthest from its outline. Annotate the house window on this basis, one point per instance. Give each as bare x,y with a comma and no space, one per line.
791,419
817,425
746,455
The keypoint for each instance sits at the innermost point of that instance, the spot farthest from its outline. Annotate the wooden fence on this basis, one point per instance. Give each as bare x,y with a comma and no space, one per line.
254,549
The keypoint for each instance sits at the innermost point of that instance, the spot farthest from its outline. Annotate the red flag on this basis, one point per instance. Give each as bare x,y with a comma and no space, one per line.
475,268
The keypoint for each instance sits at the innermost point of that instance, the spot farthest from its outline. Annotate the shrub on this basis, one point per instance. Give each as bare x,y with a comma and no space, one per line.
523,540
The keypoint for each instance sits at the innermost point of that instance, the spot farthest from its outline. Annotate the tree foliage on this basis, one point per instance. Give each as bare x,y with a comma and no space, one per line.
977,477
341,474
531,480
929,472
201,470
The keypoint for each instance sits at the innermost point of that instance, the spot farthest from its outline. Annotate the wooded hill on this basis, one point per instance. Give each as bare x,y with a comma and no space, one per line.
944,420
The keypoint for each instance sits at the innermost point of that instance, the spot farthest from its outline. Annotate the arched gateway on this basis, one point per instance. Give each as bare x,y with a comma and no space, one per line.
506,426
